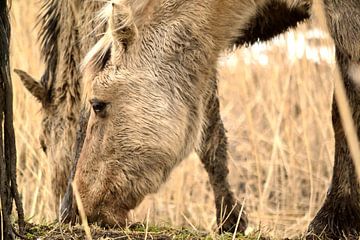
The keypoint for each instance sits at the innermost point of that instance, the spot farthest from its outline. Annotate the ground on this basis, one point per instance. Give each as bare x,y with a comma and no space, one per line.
66,232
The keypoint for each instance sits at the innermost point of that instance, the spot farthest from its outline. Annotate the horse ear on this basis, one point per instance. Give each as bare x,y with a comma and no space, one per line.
122,26
126,18
34,87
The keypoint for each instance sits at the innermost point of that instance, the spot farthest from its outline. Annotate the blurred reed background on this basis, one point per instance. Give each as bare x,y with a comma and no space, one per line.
275,101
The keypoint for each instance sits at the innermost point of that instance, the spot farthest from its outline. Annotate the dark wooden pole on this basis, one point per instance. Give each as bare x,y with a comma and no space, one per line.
8,184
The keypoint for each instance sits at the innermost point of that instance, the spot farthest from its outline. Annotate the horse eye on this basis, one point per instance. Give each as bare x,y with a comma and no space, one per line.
98,107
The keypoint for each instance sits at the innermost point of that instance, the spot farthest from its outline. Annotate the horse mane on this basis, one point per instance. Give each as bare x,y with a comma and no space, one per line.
49,21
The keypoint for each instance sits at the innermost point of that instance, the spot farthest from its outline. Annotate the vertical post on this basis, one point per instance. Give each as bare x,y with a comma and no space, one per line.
8,184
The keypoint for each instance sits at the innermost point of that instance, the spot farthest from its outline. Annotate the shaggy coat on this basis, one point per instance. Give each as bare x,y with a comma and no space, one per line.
151,81
68,31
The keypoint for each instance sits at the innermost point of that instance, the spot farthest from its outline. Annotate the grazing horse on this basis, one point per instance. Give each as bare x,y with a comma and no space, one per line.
151,81
152,86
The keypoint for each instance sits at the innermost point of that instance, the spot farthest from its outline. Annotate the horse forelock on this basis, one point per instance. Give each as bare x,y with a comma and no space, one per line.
124,12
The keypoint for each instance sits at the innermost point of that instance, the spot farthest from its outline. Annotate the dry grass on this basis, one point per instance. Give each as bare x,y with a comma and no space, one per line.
279,128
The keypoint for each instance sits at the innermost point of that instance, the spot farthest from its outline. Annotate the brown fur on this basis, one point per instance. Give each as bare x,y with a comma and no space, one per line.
155,68
154,80
160,87
339,217
67,33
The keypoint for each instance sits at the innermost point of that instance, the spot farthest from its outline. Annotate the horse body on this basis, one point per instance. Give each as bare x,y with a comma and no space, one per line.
152,83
